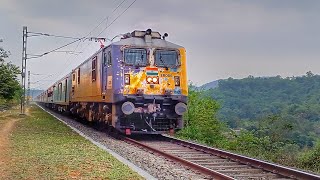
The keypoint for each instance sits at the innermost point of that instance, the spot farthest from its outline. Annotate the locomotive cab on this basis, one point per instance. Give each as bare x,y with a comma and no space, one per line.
154,87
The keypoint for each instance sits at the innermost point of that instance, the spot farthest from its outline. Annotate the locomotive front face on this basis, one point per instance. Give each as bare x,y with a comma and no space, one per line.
152,71
155,88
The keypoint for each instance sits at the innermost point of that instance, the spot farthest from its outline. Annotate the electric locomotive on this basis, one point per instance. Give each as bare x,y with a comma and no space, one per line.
135,85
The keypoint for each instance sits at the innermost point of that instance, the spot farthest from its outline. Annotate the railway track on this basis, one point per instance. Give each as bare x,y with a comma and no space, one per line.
213,162
216,163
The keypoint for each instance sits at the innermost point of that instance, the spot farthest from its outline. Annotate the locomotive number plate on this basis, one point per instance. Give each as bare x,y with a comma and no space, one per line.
109,82
166,75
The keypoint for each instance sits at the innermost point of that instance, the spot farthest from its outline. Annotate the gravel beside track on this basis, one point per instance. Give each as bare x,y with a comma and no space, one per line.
228,165
225,166
155,165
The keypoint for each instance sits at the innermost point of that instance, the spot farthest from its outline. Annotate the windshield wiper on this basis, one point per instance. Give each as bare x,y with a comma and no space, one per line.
137,64
164,65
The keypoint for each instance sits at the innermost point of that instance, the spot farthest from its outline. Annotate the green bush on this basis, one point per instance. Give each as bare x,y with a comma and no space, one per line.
200,121
310,159
10,90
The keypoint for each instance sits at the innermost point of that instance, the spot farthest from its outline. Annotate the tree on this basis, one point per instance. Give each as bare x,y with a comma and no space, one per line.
3,54
281,108
311,159
200,119
9,85
309,74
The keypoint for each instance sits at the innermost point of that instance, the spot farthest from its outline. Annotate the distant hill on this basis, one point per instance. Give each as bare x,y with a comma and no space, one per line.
295,100
210,85
35,92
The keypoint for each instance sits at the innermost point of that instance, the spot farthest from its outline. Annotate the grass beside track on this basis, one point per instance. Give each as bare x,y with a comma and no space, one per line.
44,148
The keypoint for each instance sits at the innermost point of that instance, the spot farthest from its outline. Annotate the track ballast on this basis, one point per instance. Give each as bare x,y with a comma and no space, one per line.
214,162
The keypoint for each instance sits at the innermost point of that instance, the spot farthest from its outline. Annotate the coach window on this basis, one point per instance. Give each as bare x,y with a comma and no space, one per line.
73,77
79,76
94,67
107,59
60,90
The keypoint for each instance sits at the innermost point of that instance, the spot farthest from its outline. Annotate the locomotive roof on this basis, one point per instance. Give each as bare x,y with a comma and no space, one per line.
137,38
146,38
138,41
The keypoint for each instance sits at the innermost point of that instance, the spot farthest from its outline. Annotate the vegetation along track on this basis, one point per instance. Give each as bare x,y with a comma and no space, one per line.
214,162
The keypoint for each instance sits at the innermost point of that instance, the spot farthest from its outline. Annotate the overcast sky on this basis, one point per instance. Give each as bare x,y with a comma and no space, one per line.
223,38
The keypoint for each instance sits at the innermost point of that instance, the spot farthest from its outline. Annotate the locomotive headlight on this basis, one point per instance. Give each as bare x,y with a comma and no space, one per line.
155,80
127,108
180,108
127,79
177,80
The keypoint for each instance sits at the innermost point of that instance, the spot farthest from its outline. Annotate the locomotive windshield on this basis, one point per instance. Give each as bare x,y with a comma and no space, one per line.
166,58
136,57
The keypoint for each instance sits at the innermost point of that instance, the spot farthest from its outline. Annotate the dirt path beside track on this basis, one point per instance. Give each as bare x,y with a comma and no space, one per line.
5,131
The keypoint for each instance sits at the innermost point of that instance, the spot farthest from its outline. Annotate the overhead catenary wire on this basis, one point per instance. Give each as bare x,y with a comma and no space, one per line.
93,30
67,65
117,17
38,74
77,38
114,19
46,53
34,82
70,52
68,37
106,18
51,35
59,72
44,81
39,86
50,75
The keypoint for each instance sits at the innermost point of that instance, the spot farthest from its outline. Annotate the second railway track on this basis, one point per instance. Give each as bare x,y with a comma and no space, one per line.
216,163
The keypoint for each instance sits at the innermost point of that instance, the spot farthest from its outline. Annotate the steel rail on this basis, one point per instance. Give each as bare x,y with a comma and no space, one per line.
259,164
197,167
274,168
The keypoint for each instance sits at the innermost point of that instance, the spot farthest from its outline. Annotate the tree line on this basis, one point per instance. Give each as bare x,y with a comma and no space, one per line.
290,104
10,90
269,135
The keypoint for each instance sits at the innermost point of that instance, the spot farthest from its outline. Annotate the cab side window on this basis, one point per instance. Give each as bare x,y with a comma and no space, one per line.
107,59
79,76
94,69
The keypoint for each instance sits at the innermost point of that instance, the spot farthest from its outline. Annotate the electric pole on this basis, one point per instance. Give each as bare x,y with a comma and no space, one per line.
23,69
25,33
28,91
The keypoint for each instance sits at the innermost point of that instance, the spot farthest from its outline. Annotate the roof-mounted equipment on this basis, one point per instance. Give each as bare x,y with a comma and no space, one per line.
142,34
